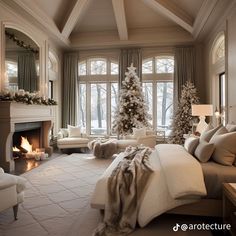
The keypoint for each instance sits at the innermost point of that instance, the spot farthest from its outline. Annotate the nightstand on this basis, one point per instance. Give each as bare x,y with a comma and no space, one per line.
229,206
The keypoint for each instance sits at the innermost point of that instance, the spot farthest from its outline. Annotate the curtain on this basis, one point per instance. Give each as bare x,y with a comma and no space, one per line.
185,62
128,56
70,98
27,74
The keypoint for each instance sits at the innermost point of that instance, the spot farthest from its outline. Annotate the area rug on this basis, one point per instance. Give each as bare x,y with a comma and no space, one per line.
57,202
57,193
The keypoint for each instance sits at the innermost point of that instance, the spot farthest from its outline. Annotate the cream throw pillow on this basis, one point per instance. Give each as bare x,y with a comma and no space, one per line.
225,148
221,130
137,133
204,151
231,127
74,131
207,135
190,144
64,132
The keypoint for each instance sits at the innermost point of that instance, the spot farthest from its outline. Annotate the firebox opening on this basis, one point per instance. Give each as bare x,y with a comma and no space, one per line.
31,131
33,137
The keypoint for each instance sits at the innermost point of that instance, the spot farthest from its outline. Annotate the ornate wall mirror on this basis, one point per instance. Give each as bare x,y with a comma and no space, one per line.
21,61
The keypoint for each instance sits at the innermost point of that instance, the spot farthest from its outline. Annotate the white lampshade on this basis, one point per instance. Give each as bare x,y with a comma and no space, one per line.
202,110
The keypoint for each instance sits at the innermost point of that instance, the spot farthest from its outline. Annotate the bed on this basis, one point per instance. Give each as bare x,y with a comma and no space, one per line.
203,189
211,205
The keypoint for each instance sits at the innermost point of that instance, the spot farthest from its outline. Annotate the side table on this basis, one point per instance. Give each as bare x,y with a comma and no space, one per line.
229,206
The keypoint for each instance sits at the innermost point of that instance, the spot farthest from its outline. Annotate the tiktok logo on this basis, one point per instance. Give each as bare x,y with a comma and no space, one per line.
176,227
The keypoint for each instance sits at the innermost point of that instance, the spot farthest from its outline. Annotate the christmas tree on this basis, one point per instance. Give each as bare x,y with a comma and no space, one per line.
132,111
182,121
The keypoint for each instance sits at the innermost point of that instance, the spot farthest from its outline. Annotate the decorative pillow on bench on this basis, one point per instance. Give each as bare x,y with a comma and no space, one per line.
74,131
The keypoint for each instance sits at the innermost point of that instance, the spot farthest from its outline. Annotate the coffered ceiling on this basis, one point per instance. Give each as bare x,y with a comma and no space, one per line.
101,23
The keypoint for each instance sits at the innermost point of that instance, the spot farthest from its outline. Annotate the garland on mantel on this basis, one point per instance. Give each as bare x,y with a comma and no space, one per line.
21,43
23,96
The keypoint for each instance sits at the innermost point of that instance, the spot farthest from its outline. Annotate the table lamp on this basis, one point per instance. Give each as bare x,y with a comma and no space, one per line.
202,110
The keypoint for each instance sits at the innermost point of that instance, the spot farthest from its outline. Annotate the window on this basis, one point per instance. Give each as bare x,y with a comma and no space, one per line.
164,64
82,105
98,67
98,94
164,104
50,89
11,71
114,99
222,96
218,73
82,68
218,52
114,68
148,96
11,68
147,66
98,108
158,90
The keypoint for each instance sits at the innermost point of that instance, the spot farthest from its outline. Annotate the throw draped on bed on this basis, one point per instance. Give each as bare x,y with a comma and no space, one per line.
125,187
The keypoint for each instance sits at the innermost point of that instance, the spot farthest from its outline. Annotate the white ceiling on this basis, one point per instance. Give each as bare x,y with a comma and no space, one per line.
119,22
98,17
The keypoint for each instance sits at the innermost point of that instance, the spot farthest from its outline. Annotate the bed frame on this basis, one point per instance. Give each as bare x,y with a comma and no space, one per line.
204,207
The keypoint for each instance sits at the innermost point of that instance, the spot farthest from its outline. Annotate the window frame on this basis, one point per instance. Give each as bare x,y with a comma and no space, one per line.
89,79
155,78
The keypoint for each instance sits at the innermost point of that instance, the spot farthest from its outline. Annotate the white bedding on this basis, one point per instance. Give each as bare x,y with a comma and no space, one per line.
177,180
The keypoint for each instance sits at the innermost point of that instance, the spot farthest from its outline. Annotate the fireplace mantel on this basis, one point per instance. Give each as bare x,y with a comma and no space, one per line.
12,113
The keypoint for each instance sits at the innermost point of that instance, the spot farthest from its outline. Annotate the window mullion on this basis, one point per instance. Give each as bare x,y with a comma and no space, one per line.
88,108
108,108
154,104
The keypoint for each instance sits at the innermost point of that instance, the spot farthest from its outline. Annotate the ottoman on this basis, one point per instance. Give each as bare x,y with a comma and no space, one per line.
103,148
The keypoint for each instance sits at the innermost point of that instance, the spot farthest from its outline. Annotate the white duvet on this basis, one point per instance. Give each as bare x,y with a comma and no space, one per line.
177,180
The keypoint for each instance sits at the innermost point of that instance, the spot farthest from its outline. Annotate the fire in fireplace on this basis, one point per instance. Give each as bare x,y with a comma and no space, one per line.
27,141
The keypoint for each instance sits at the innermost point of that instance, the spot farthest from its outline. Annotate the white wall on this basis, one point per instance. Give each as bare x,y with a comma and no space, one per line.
226,25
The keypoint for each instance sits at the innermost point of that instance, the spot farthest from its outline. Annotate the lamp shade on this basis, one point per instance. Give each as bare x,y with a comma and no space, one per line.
202,110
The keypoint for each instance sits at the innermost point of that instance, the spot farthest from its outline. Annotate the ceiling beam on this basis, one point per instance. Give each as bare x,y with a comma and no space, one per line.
202,16
173,12
119,10
35,14
76,14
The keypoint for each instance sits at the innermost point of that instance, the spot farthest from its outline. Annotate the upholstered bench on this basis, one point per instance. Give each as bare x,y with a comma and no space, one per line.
67,139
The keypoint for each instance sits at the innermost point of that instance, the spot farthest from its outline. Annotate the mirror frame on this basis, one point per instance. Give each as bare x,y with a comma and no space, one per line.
43,51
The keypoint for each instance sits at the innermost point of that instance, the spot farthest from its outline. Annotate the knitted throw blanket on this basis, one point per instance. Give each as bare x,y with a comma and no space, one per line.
125,187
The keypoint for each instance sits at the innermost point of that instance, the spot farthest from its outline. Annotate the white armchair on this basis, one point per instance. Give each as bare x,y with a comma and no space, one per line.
11,191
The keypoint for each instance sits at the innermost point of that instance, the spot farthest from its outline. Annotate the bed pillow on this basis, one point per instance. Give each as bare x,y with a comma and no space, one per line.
221,130
231,127
190,144
204,151
74,131
207,135
137,133
225,148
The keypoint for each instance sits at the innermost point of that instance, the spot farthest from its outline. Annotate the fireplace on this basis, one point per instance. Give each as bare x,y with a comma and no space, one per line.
19,120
